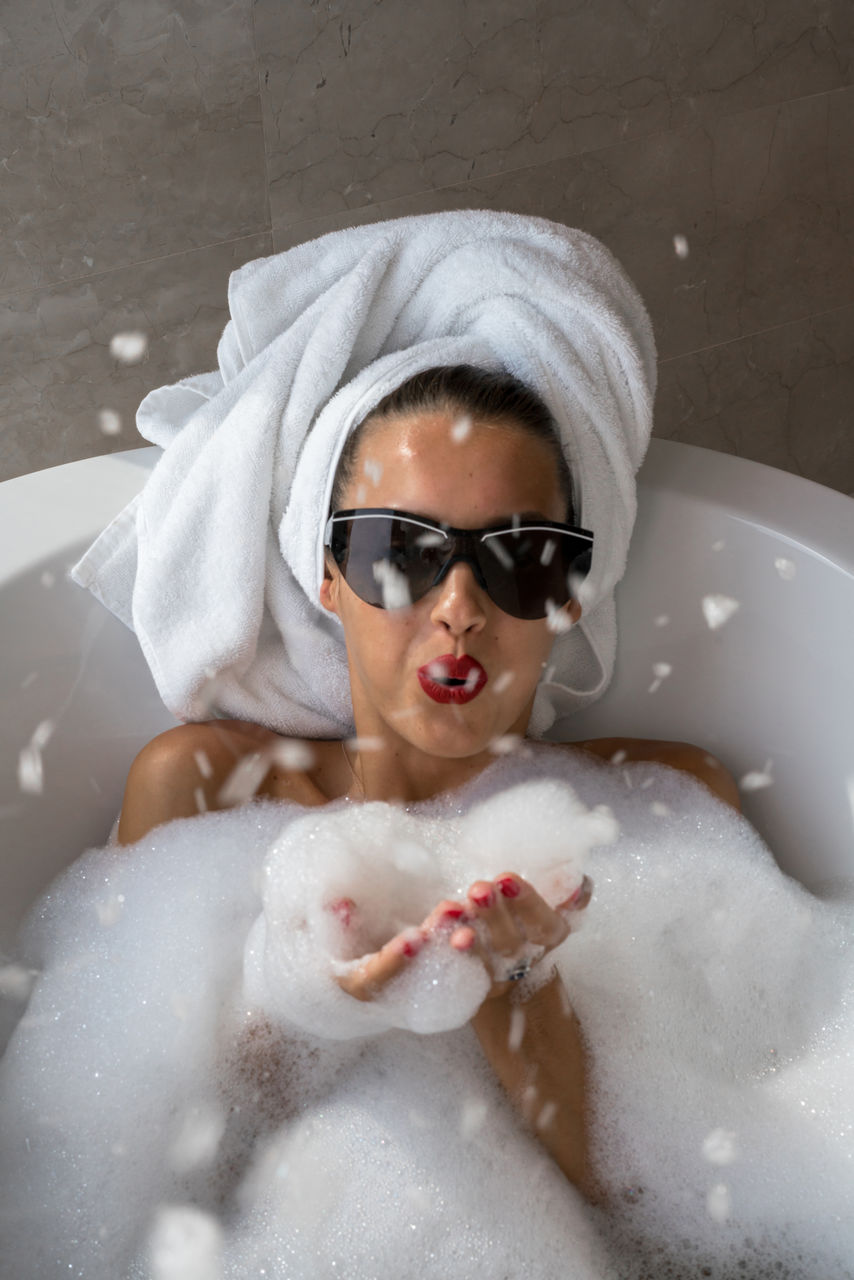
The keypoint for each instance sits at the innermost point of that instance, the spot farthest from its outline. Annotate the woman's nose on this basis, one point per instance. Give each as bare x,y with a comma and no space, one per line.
460,601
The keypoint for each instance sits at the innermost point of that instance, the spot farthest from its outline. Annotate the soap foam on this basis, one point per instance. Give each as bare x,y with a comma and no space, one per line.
159,1111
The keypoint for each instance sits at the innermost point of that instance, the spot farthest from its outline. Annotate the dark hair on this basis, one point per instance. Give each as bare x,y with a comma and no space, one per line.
464,389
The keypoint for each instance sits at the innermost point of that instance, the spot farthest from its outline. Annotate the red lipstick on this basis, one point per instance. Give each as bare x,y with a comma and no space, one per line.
450,679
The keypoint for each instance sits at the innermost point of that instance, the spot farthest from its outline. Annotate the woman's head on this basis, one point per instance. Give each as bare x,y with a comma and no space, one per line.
465,448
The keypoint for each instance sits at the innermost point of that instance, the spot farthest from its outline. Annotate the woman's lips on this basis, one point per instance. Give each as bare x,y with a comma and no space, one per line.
468,671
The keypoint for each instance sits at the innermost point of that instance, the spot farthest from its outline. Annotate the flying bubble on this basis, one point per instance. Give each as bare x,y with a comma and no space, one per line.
547,1115
245,779
203,761
432,538
198,1139
503,681
719,545
16,983
660,809
558,619
373,470
548,551
48,579
461,429
517,1029
719,1202
504,745
501,554
661,670
185,1244
129,347
395,588
199,797
786,568
719,1147
30,770
473,1116
680,246
757,779
619,756
662,620
294,756
110,422
718,609
365,743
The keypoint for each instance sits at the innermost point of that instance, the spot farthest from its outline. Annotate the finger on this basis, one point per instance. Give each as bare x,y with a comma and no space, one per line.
489,908
578,900
448,914
535,918
377,970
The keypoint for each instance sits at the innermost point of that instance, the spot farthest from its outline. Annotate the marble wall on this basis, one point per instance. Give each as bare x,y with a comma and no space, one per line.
150,147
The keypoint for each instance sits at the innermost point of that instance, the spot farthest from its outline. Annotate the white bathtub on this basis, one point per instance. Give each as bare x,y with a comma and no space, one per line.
775,683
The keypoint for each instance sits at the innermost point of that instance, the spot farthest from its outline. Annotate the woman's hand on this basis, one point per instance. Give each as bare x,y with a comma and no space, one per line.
499,920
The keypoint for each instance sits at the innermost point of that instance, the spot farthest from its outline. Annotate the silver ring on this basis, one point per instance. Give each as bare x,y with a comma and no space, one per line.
518,971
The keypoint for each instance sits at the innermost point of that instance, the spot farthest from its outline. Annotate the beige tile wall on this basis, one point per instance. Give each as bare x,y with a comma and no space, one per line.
147,149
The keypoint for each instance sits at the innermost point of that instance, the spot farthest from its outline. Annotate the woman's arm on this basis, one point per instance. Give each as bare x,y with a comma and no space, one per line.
536,1050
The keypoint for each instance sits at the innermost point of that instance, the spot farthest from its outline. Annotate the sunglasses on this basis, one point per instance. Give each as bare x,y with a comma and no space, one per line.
390,559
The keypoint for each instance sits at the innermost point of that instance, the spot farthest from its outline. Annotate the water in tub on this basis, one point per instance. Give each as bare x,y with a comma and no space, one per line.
189,1093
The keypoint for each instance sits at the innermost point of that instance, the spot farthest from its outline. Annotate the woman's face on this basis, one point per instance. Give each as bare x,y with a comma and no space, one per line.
412,463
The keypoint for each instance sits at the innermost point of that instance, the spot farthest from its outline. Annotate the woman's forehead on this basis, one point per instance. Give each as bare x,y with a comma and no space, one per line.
414,463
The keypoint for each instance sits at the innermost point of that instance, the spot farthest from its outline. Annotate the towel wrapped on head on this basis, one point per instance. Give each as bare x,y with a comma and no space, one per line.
217,563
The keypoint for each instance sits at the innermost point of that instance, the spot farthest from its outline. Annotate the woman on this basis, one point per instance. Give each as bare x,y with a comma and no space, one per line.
471,450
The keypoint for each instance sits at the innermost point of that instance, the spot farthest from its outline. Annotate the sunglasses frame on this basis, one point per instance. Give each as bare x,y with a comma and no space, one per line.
464,541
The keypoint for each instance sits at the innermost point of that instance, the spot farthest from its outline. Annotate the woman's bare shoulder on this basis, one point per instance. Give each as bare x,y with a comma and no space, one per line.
183,771
678,755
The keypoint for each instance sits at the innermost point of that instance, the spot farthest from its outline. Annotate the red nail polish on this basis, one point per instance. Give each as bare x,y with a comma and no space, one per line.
509,887
483,897
409,949
453,913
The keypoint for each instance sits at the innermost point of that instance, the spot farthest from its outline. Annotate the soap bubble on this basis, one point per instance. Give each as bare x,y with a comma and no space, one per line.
548,551
503,681
757,779
373,470
110,422
203,761
517,1029
786,568
245,779
129,347
110,909
295,756
30,771
199,798
461,428
504,744
185,1244
719,1147
395,588
680,246
662,620
719,609
719,545
558,619
719,1202
661,670
48,579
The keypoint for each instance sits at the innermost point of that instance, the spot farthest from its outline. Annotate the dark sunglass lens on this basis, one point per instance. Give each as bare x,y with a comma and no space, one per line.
527,568
390,562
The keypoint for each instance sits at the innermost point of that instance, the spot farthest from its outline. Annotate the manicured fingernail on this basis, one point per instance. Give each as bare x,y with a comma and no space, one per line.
463,939
411,949
453,913
509,887
483,897
343,909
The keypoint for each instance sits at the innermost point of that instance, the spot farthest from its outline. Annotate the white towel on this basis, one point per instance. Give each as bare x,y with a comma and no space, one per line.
217,564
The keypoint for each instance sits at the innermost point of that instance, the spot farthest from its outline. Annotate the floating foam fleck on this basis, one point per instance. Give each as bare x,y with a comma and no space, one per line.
367,742
757,779
505,744
661,670
198,1138
110,422
30,771
295,756
200,800
719,1202
548,551
517,1030
659,808
373,469
662,620
558,619
719,1146
110,909
185,1244
719,545
786,568
129,347
719,609
245,778
204,764
393,583
680,246
28,679
503,681
461,428
619,756
547,1115
501,554
48,579
16,982
473,1117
